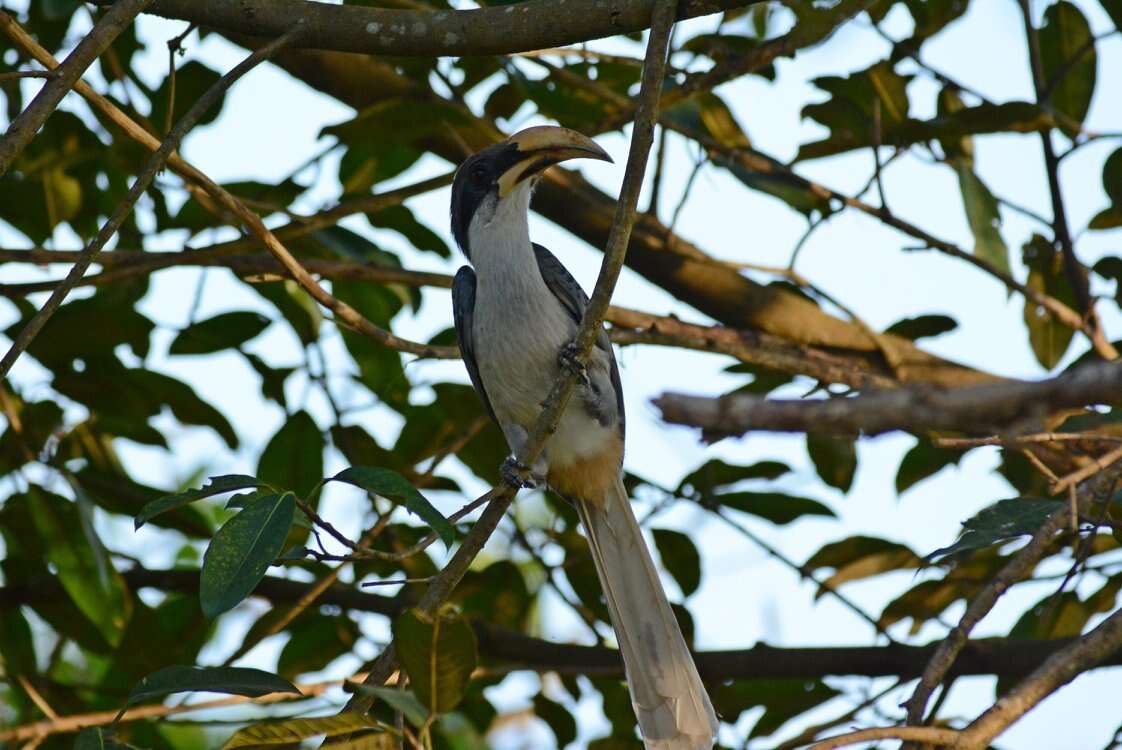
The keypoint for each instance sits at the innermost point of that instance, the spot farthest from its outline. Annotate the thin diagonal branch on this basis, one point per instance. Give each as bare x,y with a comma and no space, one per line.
27,123
1059,669
1018,567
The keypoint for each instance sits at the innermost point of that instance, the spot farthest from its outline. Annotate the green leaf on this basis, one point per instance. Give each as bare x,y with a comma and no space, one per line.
316,640
225,331
272,379
439,653
1108,218
920,462
134,394
192,79
98,591
497,594
861,557
835,459
922,326
773,506
229,680
1005,519
715,473
218,485
242,551
293,458
560,721
983,216
1048,337
1110,267
17,650
400,219
707,113
853,106
107,320
951,127
782,699
1067,54
296,305
289,731
1113,9
1111,217
680,558
391,485
264,197
400,700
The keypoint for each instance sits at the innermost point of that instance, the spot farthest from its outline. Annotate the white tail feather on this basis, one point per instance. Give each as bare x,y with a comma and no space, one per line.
670,701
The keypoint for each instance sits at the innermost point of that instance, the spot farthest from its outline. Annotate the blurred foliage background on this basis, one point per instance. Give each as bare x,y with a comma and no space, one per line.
99,405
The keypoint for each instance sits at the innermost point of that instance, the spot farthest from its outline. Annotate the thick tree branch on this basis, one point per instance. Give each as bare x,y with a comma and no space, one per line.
915,409
510,650
527,26
24,127
154,164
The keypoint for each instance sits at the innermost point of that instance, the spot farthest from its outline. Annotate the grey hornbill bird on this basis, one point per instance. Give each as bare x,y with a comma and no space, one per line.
516,313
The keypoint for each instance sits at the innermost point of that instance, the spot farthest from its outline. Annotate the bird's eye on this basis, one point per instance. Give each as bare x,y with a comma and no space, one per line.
479,174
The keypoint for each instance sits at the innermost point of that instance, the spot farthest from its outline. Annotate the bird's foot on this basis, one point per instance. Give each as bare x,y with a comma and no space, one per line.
567,360
517,474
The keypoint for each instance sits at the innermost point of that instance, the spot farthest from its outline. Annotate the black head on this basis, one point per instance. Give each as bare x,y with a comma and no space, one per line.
491,174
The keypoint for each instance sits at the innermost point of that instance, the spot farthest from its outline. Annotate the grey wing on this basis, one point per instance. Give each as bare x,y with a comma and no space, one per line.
566,289
463,310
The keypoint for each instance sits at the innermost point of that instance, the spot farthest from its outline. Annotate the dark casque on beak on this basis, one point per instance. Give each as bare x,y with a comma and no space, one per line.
543,146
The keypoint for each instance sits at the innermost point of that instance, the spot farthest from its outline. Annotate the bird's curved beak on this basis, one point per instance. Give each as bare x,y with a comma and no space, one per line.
540,147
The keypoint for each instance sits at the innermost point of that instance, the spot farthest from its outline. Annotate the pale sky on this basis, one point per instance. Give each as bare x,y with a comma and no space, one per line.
270,125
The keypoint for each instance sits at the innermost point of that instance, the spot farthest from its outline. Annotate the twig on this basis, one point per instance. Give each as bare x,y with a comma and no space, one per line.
914,409
15,75
1059,669
1097,464
1039,437
808,734
154,164
77,722
36,697
1039,465
921,734
24,127
499,499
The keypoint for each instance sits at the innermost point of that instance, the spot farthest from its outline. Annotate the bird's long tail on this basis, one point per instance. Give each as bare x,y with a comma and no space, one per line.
670,701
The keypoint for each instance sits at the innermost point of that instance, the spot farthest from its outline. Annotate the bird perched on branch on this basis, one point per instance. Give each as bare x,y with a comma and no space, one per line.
516,315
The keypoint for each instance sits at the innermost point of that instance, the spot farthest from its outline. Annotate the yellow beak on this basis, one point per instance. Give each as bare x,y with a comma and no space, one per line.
543,146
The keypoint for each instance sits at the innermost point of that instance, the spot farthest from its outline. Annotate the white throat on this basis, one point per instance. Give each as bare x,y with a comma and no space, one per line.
500,239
